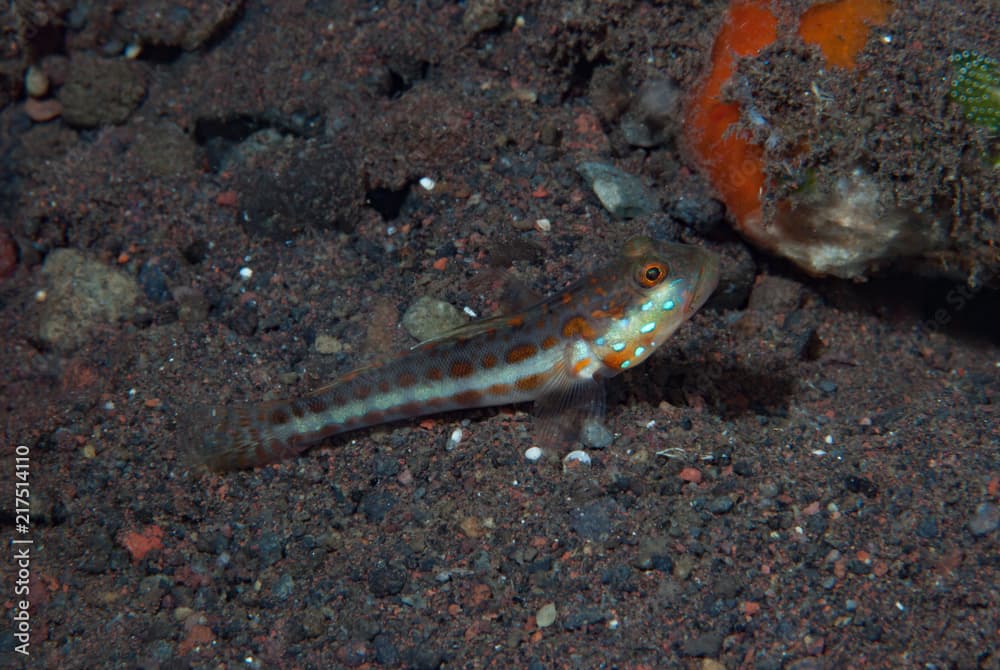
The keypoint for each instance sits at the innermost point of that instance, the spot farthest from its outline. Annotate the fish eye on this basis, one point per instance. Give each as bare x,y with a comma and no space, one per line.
651,274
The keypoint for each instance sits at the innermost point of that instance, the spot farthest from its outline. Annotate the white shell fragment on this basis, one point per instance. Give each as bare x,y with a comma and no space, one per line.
455,439
575,457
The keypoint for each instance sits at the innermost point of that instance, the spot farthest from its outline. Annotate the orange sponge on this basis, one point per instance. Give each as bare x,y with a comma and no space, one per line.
840,29
734,164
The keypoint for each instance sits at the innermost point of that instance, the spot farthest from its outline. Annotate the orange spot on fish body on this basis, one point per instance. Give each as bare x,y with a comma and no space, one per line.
373,417
550,341
521,353
578,327
530,382
581,365
461,369
467,397
411,408
489,361
615,312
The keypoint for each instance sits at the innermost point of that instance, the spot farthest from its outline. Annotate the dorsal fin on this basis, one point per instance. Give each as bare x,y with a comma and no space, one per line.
466,331
517,296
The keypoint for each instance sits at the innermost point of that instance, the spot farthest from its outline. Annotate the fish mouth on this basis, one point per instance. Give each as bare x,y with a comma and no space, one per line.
705,283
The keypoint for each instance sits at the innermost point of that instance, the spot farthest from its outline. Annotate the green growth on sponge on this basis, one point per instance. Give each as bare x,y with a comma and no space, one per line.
976,88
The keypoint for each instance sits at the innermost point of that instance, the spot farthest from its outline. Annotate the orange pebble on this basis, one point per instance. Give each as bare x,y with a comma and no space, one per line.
692,475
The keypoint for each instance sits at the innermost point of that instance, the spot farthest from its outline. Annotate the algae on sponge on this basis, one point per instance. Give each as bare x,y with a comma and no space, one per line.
976,88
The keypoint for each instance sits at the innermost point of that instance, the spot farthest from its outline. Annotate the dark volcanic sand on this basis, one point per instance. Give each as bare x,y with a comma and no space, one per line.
833,497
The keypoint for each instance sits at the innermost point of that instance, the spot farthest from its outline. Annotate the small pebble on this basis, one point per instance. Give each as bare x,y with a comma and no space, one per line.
41,111
595,435
429,317
153,282
622,194
654,116
827,386
386,580
533,454
284,587
576,457
36,82
327,344
985,520
692,475
427,183
546,616
721,505
699,212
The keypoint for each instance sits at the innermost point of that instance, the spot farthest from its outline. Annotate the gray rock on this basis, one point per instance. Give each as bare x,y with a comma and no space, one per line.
985,520
654,117
593,520
101,91
721,505
386,580
595,435
707,645
284,587
622,194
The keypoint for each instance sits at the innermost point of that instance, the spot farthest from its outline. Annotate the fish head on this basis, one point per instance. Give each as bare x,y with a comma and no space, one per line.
651,290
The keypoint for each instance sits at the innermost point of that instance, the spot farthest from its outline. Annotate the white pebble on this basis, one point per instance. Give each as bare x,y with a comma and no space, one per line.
533,454
245,273
456,437
543,225
471,312
36,82
546,616
427,183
